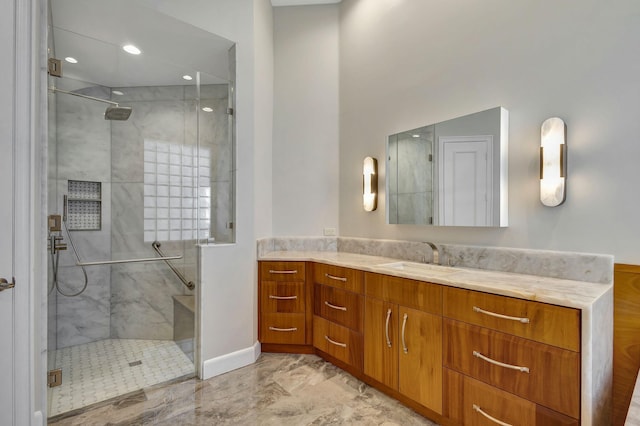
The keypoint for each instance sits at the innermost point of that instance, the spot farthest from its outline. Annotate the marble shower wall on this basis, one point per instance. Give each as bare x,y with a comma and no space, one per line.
130,300
81,151
141,294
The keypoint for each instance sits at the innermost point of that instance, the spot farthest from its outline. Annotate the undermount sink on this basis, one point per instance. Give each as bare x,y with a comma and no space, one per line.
417,268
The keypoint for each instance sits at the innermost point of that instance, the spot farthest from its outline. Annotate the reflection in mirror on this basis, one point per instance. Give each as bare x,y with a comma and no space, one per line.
452,173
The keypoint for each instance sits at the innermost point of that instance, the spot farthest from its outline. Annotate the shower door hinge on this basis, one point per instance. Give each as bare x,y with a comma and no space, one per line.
229,111
54,378
55,67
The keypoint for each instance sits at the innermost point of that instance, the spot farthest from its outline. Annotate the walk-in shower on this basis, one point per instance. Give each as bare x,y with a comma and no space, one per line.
131,192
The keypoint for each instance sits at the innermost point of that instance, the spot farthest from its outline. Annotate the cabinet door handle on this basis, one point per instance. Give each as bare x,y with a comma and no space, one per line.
333,277
493,419
339,308
507,317
404,324
283,329
289,271
333,342
271,296
500,364
386,327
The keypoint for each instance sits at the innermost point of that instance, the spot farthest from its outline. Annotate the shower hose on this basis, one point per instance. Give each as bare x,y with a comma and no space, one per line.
55,260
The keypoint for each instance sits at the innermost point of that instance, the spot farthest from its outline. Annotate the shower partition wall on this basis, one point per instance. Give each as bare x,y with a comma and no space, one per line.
165,175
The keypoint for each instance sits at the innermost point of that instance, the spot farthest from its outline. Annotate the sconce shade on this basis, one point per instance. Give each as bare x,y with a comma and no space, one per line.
553,161
370,184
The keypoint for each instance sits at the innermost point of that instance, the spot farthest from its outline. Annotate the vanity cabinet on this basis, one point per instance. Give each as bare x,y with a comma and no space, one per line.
403,337
458,356
493,371
284,316
338,313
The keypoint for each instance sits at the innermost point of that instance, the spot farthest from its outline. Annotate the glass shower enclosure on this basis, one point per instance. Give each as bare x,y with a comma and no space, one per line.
129,198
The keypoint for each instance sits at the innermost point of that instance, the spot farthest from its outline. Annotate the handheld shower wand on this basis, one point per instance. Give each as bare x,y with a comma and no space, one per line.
56,246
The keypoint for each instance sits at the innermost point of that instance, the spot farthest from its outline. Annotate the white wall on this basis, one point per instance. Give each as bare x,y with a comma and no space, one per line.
229,275
404,64
305,129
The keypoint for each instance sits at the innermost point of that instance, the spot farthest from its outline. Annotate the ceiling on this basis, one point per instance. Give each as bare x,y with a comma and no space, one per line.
302,2
94,31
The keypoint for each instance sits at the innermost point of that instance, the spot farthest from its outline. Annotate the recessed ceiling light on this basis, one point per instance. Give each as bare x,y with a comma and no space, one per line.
207,109
187,77
117,92
130,48
415,136
71,60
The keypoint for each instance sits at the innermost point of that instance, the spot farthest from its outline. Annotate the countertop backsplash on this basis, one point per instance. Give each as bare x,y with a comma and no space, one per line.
595,268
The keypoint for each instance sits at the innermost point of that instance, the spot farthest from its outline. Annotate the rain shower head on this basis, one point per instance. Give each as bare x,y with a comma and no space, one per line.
116,112
113,112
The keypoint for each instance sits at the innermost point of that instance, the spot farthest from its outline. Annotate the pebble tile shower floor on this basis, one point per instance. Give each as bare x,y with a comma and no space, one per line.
94,372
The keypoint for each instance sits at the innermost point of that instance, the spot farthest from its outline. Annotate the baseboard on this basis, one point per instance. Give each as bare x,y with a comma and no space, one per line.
228,362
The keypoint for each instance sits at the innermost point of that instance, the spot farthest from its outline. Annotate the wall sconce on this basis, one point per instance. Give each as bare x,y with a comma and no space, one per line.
553,162
370,184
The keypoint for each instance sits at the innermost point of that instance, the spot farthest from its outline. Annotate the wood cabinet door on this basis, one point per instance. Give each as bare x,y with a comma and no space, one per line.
381,343
420,357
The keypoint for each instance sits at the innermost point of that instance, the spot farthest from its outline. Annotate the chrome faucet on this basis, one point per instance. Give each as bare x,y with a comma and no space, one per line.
435,253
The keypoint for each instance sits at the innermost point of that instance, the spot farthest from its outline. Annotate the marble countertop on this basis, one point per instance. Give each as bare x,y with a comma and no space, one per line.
574,294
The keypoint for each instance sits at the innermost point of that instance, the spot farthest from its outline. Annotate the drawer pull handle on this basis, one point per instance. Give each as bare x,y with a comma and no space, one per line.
283,329
493,314
500,364
386,328
333,342
339,308
271,296
493,419
333,277
404,324
290,271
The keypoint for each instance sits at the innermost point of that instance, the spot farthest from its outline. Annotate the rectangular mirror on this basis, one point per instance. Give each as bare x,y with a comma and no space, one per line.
452,173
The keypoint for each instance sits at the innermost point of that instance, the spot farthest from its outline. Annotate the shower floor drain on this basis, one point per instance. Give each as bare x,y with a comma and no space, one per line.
134,363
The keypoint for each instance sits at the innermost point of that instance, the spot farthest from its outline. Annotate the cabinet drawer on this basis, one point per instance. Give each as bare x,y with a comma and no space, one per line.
554,325
339,306
283,297
339,342
483,402
411,293
282,328
469,401
282,271
545,374
337,276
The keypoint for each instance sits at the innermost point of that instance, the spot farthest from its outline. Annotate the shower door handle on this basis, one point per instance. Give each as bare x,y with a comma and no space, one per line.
6,285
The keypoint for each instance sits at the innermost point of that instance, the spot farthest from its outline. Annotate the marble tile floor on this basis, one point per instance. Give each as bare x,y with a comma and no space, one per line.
101,370
279,389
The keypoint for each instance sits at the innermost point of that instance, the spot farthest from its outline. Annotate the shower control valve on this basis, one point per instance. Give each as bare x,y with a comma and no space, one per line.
55,244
